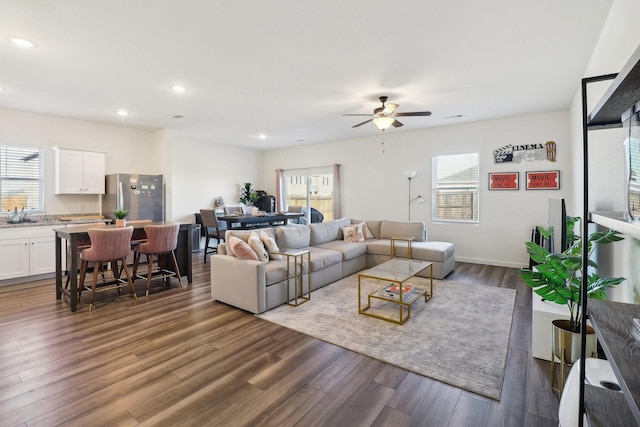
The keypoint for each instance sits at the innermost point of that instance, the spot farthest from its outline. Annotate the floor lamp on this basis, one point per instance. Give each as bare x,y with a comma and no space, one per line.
419,198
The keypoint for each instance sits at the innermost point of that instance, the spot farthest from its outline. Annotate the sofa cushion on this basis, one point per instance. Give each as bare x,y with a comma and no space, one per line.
241,249
323,232
415,229
275,271
432,251
293,236
258,247
271,245
353,233
373,226
322,258
244,235
349,250
379,247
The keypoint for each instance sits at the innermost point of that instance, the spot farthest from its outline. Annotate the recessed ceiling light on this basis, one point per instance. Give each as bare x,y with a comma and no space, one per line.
262,136
122,113
22,42
178,88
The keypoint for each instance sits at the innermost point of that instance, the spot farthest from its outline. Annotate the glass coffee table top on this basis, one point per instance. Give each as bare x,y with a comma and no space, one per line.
395,271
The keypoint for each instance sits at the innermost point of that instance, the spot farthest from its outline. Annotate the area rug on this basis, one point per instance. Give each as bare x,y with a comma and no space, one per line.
460,336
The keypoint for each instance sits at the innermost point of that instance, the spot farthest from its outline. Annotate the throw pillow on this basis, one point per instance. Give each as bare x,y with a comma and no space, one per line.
258,247
353,233
241,249
271,245
365,231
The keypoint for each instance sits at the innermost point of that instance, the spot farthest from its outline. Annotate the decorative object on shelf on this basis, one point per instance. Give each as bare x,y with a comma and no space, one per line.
504,181
121,216
557,277
410,175
248,195
218,202
543,180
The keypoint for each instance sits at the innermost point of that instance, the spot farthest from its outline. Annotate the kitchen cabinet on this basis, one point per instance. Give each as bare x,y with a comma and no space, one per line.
14,258
78,172
28,251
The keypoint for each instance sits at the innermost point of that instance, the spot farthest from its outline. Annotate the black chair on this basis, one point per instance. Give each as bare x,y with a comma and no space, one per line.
316,216
213,230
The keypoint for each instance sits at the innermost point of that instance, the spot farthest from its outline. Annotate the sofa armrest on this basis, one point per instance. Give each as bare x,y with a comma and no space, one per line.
238,282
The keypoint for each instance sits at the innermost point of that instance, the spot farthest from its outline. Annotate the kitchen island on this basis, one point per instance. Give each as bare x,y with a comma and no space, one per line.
79,234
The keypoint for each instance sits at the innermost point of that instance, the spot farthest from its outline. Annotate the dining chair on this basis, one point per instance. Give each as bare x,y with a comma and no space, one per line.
294,209
213,230
161,240
108,245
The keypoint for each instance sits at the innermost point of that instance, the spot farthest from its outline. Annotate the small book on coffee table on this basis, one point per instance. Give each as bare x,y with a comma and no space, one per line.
392,290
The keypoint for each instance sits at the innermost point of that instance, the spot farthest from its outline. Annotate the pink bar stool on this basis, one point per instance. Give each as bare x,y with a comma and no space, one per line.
161,240
108,245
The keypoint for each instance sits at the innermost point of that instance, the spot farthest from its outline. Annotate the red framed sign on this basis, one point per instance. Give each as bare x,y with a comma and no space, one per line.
504,181
543,180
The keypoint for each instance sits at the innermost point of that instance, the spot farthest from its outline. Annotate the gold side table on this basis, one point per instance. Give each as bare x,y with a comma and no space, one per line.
402,239
296,257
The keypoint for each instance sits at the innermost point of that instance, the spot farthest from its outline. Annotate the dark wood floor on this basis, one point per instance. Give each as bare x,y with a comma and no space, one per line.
181,359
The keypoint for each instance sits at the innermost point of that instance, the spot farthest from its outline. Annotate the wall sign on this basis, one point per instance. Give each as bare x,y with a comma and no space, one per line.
504,181
528,152
543,180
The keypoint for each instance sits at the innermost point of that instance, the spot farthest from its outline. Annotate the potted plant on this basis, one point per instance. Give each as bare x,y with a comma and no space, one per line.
557,277
121,216
248,196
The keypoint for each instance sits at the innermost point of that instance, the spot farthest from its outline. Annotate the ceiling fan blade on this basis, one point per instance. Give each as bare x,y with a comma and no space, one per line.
360,124
390,108
416,113
396,124
366,115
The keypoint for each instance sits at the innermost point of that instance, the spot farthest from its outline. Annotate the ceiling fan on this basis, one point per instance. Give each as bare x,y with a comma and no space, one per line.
385,116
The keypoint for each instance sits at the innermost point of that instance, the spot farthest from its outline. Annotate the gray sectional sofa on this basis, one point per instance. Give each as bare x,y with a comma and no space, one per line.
258,286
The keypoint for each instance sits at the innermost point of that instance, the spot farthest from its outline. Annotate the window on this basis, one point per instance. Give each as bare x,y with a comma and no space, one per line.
310,187
455,187
21,177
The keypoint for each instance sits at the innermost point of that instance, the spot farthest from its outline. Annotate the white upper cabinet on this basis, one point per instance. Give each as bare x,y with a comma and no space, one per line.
79,172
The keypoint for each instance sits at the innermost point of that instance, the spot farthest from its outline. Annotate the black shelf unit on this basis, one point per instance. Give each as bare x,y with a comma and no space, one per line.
611,321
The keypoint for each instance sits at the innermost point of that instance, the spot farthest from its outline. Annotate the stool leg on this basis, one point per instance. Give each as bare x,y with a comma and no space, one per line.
175,266
149,267
83,273
129,280
97,268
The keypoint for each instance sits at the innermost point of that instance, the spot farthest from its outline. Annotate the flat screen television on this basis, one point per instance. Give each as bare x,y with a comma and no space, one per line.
557,221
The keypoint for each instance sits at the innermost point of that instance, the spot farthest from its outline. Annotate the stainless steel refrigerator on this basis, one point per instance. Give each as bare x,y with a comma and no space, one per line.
141,195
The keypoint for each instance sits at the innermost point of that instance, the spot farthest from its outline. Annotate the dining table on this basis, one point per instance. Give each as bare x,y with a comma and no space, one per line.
76,236
250,220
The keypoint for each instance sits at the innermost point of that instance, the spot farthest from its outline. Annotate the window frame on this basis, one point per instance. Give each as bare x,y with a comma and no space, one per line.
6,178
469,187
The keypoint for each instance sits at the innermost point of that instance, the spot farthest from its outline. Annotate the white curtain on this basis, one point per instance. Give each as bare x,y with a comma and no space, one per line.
280,186
336,192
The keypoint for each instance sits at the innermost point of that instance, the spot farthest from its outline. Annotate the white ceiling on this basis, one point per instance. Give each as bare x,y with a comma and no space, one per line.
290,68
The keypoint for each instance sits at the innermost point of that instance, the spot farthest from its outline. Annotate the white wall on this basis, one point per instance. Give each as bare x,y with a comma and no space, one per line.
127,150
199,171
617,42
374,185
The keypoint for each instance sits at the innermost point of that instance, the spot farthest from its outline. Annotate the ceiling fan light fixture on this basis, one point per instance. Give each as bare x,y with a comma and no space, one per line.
383,122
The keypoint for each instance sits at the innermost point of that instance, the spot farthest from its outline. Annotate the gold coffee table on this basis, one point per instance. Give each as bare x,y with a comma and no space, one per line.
396,271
